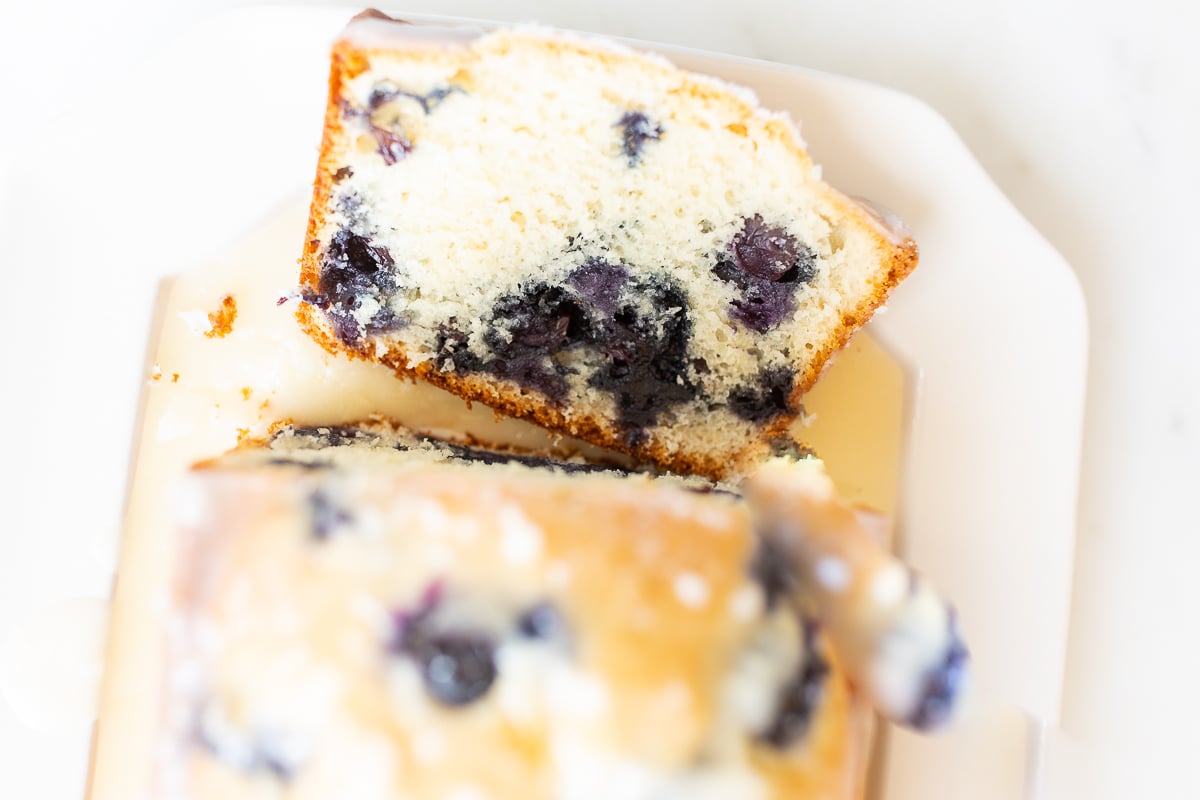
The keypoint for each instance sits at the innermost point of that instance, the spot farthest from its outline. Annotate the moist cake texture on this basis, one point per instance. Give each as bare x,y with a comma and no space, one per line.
354,619
585,236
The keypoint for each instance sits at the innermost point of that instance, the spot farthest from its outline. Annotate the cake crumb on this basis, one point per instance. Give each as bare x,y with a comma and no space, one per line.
174,377
221,321
246,392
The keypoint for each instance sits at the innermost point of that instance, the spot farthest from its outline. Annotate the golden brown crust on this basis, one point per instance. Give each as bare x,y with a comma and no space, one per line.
349,60
221,321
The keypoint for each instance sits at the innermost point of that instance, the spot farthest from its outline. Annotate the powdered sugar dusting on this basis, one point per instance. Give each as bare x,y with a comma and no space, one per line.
692,589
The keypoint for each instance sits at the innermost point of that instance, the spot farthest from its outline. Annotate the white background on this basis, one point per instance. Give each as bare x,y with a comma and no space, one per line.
1087,114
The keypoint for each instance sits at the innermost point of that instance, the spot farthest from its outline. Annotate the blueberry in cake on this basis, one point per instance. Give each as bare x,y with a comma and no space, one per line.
366,612
896,636
584,236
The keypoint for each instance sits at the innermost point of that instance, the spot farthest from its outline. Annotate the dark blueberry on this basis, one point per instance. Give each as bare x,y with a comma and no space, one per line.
453,353
771,253
456,667
642,354
769,567
636,130
767,265
762,305
393,146
451,343
353,268
363,260
942,686
327,516
766,400
542,621
546,320
645,358
800,696
342,174
524,333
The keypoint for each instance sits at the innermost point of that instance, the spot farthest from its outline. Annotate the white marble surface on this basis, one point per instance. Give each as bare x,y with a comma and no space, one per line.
1086,114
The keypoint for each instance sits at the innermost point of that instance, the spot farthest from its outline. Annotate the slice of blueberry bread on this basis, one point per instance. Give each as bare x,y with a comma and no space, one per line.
363,613
584,236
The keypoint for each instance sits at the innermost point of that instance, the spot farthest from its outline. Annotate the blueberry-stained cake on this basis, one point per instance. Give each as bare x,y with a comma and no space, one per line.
584,236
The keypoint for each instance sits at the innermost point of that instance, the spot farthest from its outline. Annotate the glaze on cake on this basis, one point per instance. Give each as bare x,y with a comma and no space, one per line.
357,619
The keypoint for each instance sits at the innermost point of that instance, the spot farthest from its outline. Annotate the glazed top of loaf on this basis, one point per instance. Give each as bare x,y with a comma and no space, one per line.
509,630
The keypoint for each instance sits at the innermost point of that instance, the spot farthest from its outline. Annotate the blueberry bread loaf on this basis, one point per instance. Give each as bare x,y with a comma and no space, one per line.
584,236
368,614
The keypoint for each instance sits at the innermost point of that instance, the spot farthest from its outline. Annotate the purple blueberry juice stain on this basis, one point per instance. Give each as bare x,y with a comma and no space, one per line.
635,130
770,569
800,696
327,516
353,268
637,329
942,685
772,254
766,399
767,265
542,621
600,283
393,146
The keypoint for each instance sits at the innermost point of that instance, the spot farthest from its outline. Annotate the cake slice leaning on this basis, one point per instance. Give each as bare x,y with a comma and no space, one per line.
584,236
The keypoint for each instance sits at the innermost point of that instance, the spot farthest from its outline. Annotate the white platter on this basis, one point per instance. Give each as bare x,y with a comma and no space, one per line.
217,133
